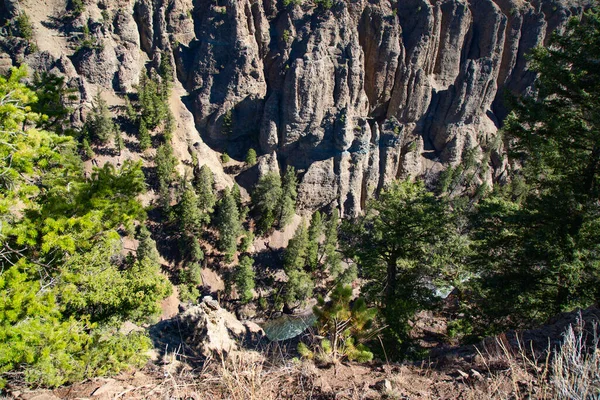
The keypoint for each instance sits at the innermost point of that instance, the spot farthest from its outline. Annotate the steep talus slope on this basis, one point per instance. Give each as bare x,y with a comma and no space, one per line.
352,96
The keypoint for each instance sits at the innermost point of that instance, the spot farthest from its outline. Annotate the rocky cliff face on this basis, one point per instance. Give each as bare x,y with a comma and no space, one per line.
352,95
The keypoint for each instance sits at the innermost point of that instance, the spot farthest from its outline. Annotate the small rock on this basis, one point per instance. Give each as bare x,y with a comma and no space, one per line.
463,374
384,385
475,374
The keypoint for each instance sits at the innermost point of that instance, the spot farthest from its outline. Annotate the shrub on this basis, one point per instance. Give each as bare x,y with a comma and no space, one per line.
24,26
251,157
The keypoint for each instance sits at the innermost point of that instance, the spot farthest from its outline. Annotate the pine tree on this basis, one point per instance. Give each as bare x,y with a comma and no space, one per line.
343,326
165,163
265,199
237,194
144,136
87,149
204,183
228,225
287,201
119,145
314,235
130,112
299,287
251,157
190,216
537,250
244,277
295,256
165,70
146,247
399,246
99,123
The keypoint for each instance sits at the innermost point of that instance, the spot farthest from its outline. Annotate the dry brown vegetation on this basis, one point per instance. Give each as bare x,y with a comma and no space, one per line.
500,368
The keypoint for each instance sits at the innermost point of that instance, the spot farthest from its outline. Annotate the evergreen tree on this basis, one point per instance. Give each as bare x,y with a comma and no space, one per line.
244,279
55,100
295,256
165,163
146,247
287,201
190,216
165,70
237,195
204,183
251,157
299,286
144,136
537,239
99,123
153,101
265,199
314,235
66,288
228,225
87,149
397,246
344,326
119,145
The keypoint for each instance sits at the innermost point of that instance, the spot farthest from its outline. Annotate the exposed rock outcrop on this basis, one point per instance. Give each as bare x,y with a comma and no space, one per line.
352,96
361,93
212,330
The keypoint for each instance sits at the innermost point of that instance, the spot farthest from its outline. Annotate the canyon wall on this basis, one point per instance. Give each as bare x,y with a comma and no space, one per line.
351,93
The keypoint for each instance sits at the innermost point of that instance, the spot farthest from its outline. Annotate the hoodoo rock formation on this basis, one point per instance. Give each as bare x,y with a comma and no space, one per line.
351,93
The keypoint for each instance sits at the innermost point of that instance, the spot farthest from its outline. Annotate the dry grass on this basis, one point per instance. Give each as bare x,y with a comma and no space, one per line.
570,371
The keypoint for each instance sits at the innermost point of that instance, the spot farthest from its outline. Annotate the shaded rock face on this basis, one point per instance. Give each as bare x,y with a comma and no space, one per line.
352,96
364,92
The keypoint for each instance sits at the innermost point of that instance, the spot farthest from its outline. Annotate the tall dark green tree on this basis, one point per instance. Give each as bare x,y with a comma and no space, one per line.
99,123
266,199
204,182
165,163
287,201
244,277
538,240
228,225
397,245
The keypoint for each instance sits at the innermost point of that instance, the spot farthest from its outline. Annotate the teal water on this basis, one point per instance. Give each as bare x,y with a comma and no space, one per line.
287,326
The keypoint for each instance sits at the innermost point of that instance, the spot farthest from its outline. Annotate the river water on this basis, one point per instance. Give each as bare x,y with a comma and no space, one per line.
288,326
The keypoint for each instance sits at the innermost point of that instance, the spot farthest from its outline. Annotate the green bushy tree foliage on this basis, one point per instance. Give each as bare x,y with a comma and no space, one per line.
54,102
99,123
65,287
265,199
537,239
244,277
314,235
153,100
296,251
24,26
287,201
147,246
204,182
165,172
144,136
228,225
251,157
344,326
399,246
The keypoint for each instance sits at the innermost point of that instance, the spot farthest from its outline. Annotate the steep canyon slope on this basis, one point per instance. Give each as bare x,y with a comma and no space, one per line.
351,93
